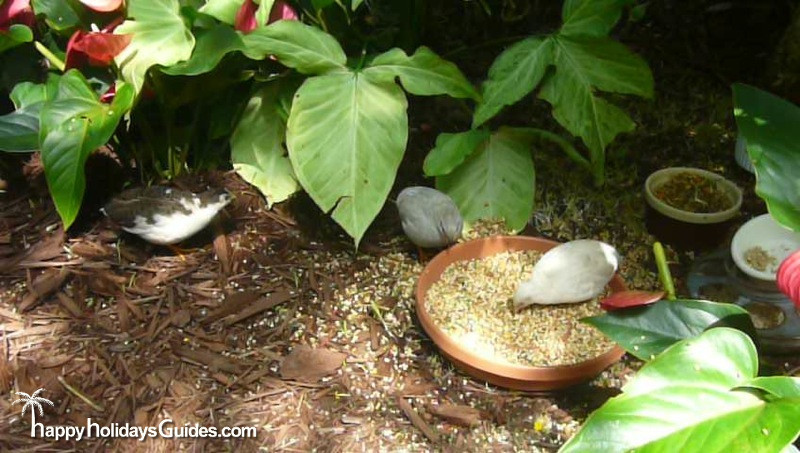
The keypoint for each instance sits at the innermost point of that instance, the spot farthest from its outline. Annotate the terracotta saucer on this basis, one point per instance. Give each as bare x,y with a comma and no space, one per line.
503,374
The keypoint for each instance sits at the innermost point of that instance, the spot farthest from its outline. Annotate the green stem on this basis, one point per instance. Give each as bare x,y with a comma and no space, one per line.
51,57
565,145
663,270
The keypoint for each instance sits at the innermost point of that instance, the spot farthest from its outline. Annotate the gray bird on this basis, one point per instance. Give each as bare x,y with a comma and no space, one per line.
165,215
430,218
572,272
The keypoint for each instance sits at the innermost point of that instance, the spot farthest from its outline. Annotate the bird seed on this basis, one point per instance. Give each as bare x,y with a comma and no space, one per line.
472,303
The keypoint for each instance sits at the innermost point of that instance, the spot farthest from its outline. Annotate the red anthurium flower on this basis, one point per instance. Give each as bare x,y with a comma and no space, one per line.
246,16
102,6
95,48
16,12
788,277
108,96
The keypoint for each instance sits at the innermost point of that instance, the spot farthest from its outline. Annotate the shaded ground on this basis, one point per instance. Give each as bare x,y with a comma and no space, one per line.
120,331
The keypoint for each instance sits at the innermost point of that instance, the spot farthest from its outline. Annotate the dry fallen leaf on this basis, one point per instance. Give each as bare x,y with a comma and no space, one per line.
457,414
309,365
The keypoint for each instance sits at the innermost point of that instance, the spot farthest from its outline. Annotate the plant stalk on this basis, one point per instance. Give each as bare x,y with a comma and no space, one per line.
51,57
663,270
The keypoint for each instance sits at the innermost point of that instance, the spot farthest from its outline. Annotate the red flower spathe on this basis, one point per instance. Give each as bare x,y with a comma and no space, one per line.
16,12
246,16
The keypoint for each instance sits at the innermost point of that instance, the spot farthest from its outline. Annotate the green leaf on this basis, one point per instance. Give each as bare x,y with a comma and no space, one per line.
19,130
212,45
354,4
29,93
347,134
60,14
72,126
590,17
778,386
17,34
685,400
160,37
771,127
646,331
497,181
262,13
257,146
584,64
223,10
307,49
514,74
423,73
322,4
451,150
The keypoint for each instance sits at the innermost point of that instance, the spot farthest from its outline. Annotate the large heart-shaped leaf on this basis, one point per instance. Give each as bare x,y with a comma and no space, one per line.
17,34
60,14
686,399
212,45
307,49
160,37
257,145
583,65
451,150
74,124
347,134
646,331
515,73
222,10
590,17
771,126
497,181
19,130
423,73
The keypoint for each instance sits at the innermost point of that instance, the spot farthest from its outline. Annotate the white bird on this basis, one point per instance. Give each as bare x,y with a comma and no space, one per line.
572,272
165,215
430,218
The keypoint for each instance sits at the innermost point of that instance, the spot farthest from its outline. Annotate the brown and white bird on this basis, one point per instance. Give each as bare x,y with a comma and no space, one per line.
165,215
430,218
572,272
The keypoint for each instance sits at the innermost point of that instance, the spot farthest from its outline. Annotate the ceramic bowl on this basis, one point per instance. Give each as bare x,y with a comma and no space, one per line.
497,372
763,231
684,229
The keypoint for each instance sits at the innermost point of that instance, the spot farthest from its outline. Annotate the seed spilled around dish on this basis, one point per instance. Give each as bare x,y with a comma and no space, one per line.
471,303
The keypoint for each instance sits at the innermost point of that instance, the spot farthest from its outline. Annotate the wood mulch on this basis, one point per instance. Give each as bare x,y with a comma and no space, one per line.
314,345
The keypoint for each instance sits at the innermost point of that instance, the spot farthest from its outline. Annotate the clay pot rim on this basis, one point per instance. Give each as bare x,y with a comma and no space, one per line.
503,373
692,217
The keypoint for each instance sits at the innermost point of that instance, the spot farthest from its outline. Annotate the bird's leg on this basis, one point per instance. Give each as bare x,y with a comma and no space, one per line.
421,255
180,252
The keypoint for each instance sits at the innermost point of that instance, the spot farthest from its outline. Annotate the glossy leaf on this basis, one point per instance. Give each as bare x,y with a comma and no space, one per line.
354,4
514,74
258,152
590,17
160,37
586,64
19,130
687,400
497,181
73,125
646,331
424,73
777,386
629,299
451,150
17,34
770,126
222,10
60,14
307,49
346,135
212,45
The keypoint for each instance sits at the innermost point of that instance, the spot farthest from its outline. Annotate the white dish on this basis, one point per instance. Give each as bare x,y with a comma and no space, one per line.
764,232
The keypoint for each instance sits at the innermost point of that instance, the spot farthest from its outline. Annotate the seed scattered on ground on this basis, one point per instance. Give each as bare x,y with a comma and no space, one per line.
471,303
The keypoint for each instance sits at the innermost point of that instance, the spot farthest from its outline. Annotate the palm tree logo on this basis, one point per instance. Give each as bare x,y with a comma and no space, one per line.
33,401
